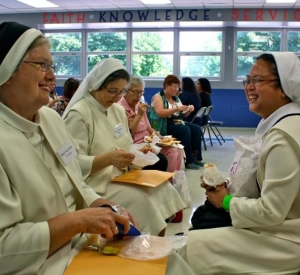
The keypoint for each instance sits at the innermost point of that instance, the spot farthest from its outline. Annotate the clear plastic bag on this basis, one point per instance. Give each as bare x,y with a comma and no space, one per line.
146,247
181,185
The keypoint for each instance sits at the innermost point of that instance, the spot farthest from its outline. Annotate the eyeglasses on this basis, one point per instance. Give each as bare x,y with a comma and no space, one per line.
116,93
44,65
255,81
137,92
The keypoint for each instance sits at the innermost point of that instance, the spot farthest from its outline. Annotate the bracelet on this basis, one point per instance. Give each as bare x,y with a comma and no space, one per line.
226,202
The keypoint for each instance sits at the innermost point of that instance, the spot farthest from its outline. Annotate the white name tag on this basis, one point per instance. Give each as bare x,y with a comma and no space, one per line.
67,153
119,130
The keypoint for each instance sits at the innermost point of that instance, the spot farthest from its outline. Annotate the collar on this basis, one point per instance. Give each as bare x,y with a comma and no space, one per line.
266,124
18,122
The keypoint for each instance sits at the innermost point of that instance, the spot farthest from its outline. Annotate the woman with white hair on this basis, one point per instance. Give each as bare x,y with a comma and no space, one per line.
264,236
100,127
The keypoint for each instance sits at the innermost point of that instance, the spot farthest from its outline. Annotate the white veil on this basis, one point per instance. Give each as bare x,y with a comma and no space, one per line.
94,79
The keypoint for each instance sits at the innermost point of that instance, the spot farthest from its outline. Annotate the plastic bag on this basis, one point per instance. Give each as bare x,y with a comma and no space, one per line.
181,185
243,169
212,176
146,247
142,159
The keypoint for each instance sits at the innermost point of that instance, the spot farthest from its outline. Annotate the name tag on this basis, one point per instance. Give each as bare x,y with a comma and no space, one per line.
67,153
119,130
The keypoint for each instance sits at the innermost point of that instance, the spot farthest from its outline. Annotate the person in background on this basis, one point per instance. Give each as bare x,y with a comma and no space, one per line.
69,89
100,126
45,211
265,230
140,126
166,115
203,87
189,96
53,95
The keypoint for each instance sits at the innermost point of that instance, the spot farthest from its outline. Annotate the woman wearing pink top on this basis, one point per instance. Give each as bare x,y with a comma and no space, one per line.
139,123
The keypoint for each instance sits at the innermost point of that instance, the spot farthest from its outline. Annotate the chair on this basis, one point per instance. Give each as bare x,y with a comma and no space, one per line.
201,112
211,126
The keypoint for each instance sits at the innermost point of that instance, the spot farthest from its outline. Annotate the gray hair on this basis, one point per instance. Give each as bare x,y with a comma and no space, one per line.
134,81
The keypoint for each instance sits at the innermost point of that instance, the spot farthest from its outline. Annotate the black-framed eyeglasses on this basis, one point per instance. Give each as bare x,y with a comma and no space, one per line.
115,92
137,92
255,81
44,65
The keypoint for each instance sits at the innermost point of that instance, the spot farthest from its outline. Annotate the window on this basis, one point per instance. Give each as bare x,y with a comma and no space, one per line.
106,45
66,48
293,42
152,53
250,44
200,53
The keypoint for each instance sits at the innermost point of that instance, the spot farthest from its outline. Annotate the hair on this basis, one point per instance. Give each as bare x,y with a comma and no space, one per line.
189,85
134,81
205,85
39,41
116,75
170,79
70,87
269,58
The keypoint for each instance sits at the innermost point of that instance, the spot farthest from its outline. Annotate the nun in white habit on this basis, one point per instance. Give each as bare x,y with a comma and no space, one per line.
265,236
100,127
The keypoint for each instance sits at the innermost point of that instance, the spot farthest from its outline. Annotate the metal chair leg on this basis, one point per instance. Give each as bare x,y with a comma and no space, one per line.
215,134
203,139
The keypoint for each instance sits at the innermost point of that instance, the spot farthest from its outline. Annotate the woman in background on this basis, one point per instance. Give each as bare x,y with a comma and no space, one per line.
139,123
166,115
190,96
69,89
203,87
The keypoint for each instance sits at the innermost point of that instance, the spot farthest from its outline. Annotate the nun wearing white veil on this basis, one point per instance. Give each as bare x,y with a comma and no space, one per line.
100,127
265,236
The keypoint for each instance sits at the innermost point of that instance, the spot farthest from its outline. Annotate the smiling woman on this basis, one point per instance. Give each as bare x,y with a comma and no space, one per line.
269,222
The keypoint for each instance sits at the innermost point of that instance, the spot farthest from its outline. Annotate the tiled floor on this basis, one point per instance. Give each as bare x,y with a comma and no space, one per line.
221,156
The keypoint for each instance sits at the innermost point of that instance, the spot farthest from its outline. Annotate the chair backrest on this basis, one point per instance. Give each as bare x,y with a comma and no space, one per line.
200,113
208,110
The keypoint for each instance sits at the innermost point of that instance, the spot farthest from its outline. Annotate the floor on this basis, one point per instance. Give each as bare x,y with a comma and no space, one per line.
221,156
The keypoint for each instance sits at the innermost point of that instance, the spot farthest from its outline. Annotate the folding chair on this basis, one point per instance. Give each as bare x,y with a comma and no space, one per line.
212,127
200,113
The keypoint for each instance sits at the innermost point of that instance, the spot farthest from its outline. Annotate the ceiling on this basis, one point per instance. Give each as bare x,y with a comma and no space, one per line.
13,6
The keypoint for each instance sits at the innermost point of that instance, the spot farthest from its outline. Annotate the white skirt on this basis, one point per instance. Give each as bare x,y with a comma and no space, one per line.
149,206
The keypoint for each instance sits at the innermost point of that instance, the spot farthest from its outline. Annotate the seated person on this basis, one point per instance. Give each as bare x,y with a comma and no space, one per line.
139,123
53,95
166,115
203,87
44,210
100,127
189,96
69,89
265,231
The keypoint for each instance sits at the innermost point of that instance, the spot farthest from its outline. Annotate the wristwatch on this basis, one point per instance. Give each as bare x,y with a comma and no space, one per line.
116,208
